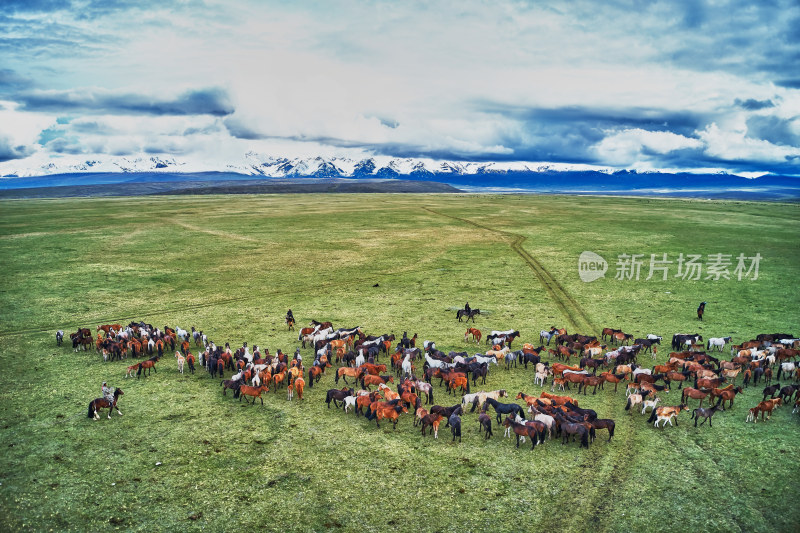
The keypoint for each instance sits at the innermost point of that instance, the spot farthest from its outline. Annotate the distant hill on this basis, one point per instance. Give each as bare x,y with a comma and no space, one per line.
225,186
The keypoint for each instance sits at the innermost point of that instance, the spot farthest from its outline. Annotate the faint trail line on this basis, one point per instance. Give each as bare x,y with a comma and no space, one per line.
576,316
216,233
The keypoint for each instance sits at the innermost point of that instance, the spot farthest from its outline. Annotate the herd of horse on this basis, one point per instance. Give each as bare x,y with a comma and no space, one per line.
406,382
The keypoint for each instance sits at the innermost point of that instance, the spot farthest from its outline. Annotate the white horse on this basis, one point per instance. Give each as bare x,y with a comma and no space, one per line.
485,359
182,333
541,378
545,336
717,342
435,363
787,368
649,403
547,420
360,359
350,401
406,366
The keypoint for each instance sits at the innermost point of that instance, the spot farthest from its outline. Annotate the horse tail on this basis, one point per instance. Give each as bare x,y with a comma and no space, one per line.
652,416
337,377
628,405
310,378
585,439
138,372
91,404
468,387
430,395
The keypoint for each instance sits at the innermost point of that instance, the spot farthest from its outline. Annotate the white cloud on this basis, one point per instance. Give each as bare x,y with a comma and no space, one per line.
734,145
627,148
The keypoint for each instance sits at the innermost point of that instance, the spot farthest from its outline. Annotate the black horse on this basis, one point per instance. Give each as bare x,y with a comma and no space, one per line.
455,426
504,408
706,413
701,310
461,313
337,395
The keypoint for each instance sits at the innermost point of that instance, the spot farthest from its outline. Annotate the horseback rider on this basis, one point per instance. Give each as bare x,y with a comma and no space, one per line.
108,392
467,308
297,357
289,316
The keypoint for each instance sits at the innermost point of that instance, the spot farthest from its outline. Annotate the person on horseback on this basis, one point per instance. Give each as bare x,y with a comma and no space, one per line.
467,307
108,392
297,357
289,316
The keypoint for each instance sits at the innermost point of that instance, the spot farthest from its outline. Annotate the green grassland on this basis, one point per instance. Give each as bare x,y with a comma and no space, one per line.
232,266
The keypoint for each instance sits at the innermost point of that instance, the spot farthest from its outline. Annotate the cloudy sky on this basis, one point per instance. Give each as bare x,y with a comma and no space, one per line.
679,85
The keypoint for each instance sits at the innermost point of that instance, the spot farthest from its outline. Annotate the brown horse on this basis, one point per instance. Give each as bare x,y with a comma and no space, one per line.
695,394
726,394
381,410
432,420
369,379
101,403
591,381
571,377
255,392
613,378
522,430
299,385
558,400
765,407
458,382
147,365
345,371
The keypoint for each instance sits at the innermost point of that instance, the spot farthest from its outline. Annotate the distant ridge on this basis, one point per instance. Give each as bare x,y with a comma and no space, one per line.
248,186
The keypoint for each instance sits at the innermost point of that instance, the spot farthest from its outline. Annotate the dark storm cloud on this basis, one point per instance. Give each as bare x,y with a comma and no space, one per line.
11,81
197,102
10,150
752,104
776,130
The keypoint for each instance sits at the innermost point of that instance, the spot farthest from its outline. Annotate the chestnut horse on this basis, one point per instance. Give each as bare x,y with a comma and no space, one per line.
476,335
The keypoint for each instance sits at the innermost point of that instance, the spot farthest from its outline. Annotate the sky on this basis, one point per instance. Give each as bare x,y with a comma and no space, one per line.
678,85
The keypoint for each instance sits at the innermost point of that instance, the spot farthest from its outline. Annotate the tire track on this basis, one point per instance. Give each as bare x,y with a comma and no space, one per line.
616,461
577,318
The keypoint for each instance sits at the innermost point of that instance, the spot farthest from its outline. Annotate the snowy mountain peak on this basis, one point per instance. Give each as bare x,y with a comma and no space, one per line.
253,163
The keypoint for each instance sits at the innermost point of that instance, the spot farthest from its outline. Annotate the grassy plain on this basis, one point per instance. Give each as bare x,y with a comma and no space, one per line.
231,266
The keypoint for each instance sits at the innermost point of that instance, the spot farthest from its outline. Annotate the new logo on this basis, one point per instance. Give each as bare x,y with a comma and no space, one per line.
591,267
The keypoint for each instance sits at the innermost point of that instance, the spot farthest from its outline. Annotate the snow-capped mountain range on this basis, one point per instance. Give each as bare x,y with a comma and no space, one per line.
254,164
